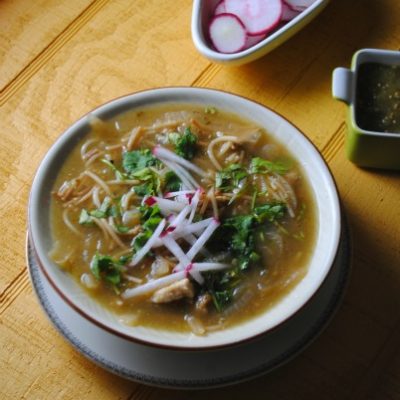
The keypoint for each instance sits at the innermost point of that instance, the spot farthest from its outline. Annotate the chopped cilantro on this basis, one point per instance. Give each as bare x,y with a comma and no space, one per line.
221,286
229,178
237,233
172,182
260,166
186,144
210,110
85,218
136,160
150,218
107,209
122,228
151,182
269,211
118,174
107,269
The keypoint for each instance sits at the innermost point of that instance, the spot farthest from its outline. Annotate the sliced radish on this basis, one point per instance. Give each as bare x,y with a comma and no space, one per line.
220,9
153,285
163,153
149,244
299,5
227,33
252,40
288,13
258,16
201,241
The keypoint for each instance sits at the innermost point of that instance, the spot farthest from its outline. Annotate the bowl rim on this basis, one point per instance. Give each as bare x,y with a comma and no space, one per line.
41,169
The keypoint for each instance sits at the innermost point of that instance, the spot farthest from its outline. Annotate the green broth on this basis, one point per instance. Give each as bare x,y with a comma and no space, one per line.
378,97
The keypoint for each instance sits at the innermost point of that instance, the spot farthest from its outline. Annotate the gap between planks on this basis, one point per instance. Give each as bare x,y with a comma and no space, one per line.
206,75
335,143
12,291
50,50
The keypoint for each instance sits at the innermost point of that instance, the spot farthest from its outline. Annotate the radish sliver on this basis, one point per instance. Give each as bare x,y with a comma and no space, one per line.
299,5
288,13
220,9
227,33
258,16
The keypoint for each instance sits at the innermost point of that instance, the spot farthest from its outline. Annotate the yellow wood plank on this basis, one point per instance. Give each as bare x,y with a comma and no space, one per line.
47,368
27,27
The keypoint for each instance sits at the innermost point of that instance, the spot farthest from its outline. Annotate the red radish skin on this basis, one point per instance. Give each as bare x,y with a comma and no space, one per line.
227,33
258,16
220,9
288,13
253,40
299,5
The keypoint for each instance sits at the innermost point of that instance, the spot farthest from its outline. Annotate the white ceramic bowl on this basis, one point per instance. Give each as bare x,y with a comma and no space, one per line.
315,171
203,11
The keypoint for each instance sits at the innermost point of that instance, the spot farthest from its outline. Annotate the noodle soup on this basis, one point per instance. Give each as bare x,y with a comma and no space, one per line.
182,218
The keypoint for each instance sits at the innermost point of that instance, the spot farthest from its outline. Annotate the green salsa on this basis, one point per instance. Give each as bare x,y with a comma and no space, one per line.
378,97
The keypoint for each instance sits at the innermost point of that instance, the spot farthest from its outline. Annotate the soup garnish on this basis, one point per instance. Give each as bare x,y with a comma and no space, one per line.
184,219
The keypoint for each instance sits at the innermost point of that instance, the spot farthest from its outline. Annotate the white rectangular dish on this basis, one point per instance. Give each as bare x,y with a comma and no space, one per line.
202,14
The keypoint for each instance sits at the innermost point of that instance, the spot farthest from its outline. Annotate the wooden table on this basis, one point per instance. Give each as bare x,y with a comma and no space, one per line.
59,59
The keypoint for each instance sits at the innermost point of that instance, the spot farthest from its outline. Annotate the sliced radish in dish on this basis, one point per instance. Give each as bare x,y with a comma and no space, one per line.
299,5
258,16
220,9
227,33
252,40
288,13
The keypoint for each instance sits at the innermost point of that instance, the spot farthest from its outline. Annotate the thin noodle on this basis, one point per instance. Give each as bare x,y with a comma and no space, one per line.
98,180
104,231
211,196
93,158
96,198
112,233
224,148
124,182
84,147
82,199
69,224
135,135
125,199
210,148
114,147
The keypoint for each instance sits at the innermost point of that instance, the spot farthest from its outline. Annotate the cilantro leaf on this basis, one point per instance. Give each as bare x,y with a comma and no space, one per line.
118,174
186,144
107,269
150,218
260,166
269,211
151,182
136,160
172,182
229,178
105,210
85,218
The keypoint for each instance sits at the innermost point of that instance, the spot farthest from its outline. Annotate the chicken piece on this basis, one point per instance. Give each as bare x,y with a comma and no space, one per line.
176,291
202,302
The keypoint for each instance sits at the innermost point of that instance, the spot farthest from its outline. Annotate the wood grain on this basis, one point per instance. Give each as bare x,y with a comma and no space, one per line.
26,28
61,59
